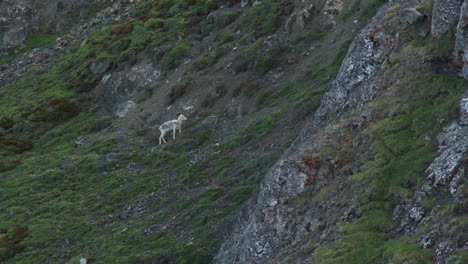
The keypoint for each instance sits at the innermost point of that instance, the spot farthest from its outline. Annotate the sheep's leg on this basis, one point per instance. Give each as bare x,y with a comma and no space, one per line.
173,132
161,138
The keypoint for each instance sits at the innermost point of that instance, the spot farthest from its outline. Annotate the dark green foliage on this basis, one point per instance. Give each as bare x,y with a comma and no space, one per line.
55,109
103,147
208,60
225,18
263,19
10,243
6,122
371,9
259,60
264,99
256,130
179,89
309,36
180,51
441,48
195,141
6,165
242,193
225,38
210,100
329,73
15,144
210,195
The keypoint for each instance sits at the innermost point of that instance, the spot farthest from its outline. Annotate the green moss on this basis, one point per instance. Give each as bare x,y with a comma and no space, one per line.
15,144
264,99
10,243
263,19
225,37
102,147
225,18
256,130
6,122
179,89
180,51
241,193
206,61
10,164
309,36
210,195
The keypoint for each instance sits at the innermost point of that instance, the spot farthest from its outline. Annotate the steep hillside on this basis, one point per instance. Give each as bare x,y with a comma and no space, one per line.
319,131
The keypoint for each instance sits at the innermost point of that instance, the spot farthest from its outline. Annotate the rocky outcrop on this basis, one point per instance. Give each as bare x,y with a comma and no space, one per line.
445,14
10,73
120,86
460,52
297,20
21,18
447,175
270,225
410,16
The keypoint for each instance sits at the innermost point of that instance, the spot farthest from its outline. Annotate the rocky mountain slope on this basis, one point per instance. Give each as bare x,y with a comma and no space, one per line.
318,131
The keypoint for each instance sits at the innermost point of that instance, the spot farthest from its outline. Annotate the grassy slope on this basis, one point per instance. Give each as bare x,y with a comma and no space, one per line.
60,201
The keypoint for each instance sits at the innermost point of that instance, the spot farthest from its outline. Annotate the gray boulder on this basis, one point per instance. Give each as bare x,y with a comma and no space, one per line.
410,16
100,66
460,52
119,87
445,14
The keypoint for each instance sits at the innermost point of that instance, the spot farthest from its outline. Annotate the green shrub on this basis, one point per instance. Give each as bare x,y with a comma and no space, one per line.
225,38
225,18
263,19
6,122
180,51
256,130
210,195
241,193
55,109
10,243
264,99
15,144
179,89
6,165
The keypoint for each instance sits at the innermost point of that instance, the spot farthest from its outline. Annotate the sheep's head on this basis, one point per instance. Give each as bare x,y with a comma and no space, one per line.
182,118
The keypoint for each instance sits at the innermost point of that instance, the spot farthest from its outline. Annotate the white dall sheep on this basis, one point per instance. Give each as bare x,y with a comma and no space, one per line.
171,125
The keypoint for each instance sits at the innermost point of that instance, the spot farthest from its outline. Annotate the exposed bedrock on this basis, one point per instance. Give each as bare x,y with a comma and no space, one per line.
269,226
445,14
460,52
20,18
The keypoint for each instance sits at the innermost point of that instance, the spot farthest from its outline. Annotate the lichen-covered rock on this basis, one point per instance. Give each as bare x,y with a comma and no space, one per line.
20,18
100,66
410,15
297,20
460,52
450,168
270,225
119,87
331,10
445,14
